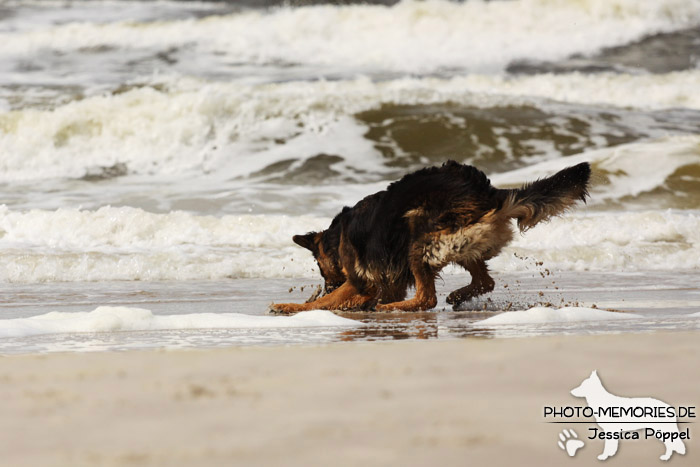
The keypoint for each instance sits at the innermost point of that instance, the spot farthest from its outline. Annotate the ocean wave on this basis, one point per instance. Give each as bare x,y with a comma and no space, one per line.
29,15
132,244
612,241
626,172
237,130
411,36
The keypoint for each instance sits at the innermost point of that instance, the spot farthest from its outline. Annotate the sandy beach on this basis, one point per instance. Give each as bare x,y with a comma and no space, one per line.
454,402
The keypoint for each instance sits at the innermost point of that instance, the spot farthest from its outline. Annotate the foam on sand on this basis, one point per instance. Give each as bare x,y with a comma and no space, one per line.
113,319
546,315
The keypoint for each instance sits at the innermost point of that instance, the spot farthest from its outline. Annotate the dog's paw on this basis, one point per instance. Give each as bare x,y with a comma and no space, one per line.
459,296
569,442
280,309
454,298
408,305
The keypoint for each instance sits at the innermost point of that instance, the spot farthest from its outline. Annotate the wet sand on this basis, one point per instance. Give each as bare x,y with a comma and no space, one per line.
455,402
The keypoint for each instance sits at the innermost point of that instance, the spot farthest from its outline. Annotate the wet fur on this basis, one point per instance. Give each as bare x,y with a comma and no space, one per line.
403,236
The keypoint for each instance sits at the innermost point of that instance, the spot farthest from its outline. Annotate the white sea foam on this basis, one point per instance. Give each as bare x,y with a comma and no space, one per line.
136,229
618,241
546,315
235,129
651,91
132,244
112,319
415,36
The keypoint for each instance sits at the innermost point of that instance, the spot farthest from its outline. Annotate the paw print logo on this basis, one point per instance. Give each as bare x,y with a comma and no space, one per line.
569,442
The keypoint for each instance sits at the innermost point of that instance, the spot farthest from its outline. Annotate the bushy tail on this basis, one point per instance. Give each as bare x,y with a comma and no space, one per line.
547,197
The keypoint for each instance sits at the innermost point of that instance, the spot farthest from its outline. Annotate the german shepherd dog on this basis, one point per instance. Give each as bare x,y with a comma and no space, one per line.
403,236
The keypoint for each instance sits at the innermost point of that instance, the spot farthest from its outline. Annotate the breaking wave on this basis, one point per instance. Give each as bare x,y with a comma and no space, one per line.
411,36
233,130
132,244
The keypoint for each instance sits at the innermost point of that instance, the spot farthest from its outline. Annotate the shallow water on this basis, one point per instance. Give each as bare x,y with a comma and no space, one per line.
662,301
162,154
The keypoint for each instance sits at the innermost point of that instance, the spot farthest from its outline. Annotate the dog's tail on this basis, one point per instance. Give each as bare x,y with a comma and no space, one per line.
540,200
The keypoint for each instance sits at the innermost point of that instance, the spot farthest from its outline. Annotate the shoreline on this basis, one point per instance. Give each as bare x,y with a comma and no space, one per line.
454,401
666,301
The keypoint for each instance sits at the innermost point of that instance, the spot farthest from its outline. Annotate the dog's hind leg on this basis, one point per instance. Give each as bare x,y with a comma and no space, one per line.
345,297
481,283
425,298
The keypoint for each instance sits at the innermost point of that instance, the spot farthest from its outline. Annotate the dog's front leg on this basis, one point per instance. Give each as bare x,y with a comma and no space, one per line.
609,450
345,297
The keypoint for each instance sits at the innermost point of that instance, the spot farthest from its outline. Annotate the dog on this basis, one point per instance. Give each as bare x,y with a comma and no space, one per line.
597,398
403,236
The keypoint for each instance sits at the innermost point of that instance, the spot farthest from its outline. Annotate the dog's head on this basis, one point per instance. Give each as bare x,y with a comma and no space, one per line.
588,386
326,257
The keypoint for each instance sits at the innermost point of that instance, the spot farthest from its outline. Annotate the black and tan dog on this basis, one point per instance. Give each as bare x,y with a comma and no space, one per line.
404,236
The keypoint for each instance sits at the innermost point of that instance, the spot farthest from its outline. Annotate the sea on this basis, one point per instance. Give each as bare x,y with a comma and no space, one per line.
157,156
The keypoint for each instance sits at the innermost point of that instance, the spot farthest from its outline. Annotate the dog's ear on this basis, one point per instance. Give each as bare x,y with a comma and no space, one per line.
306,241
